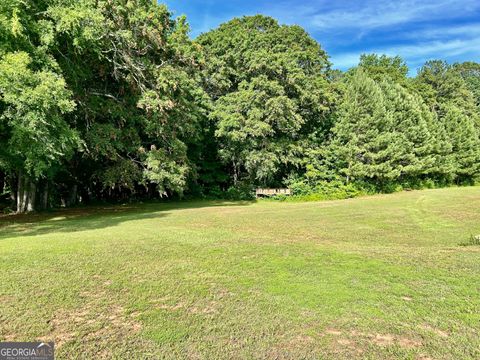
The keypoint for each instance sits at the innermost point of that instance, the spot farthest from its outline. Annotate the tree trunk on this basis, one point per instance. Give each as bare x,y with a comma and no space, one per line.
45,196
72,196
20,193
13,193
32,191
3,182
26,194
235,173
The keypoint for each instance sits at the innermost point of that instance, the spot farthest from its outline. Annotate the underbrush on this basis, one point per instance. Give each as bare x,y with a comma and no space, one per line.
322,191
336,190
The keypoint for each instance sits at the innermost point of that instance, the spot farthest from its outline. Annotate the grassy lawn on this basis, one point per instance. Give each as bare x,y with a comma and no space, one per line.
376,277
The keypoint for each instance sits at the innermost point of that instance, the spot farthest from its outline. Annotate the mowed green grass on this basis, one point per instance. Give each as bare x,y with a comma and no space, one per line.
376,277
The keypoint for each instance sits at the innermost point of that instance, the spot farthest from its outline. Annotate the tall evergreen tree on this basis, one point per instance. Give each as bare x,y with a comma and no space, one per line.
439,84
442,168
410,126
470,73
363,140
465,144
383,67
453,103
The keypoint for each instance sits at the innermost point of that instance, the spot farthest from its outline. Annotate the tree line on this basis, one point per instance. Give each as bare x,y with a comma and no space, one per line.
104,100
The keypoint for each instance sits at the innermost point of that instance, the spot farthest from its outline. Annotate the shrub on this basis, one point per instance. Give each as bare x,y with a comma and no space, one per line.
301,188
323,190
243,191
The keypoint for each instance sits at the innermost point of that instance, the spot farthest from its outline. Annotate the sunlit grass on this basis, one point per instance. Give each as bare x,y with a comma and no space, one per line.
375,277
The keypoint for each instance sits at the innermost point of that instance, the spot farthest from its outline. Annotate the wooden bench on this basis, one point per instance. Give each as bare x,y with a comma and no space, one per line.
272,192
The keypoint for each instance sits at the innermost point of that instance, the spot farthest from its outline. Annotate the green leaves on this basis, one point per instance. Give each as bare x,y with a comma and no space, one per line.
35,102
113,95
373,138
134,71
80,21
465,142
382,67
167,168
268,83
415,142
453,103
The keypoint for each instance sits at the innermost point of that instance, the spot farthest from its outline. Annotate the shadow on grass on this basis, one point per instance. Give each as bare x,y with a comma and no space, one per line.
95,217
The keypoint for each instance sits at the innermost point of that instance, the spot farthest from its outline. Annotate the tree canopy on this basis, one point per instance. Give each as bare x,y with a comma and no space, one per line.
270,93
112,100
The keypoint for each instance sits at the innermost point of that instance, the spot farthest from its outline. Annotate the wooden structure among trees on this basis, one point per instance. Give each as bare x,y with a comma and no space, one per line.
272,192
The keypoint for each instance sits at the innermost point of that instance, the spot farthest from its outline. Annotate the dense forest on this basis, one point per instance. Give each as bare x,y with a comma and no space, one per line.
111,100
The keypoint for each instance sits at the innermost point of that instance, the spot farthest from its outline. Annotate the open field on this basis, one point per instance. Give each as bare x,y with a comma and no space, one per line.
376,277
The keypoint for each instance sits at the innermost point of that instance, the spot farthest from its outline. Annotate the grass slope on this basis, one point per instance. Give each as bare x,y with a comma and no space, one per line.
376,277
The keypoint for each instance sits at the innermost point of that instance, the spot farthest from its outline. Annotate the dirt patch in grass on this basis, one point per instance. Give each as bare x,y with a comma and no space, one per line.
207,306
408,343
210,308
333,332
174,307
356,342
345,342
379,339
199,308
439,332
92,323
424,357
10,337
295,346
385,340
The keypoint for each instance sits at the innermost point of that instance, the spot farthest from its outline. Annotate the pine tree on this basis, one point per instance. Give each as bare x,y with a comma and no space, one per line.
411,130
383,67
465,143
363,140
442,168
454,107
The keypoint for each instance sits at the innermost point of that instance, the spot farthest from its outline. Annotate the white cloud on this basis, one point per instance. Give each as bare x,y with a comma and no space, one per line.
415,54
442,32
376,14
425,29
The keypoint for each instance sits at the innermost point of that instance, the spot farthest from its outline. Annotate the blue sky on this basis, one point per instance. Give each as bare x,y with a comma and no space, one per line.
416,30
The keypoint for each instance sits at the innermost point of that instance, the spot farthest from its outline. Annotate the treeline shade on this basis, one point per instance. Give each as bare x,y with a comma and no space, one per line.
111,100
